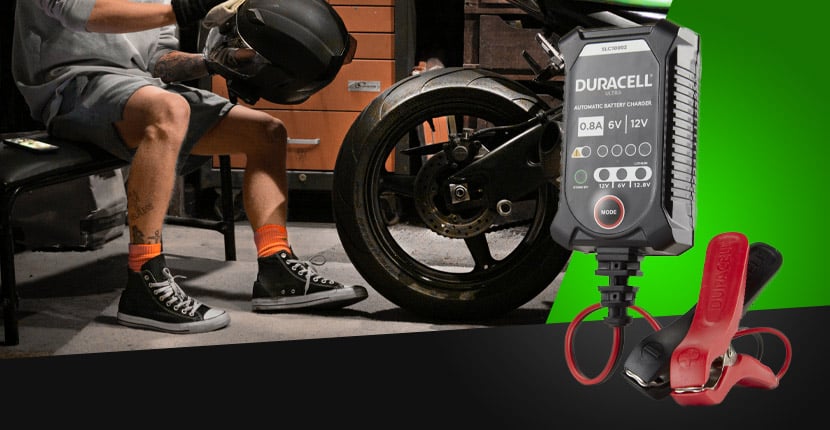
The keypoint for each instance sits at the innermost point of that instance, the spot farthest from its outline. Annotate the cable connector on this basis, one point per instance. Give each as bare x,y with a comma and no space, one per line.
618,264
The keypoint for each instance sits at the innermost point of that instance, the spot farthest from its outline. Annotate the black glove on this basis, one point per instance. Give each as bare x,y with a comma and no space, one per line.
191,11
233,62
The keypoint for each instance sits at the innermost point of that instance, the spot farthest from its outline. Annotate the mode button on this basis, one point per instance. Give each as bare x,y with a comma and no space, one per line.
609,212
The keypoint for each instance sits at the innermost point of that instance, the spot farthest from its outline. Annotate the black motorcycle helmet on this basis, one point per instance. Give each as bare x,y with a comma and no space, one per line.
298,47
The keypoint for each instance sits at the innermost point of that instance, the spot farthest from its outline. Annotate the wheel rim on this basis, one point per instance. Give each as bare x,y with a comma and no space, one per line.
452,268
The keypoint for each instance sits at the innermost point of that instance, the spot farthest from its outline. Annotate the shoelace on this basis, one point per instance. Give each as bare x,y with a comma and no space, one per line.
303,268
171,294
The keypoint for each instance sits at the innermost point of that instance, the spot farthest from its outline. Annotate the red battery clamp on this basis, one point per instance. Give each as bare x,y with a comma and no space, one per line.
704,366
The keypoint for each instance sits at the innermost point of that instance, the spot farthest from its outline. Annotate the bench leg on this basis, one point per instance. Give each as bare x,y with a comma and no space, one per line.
8,285
227,207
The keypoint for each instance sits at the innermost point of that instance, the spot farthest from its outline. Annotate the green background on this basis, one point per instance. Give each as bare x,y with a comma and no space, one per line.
763,167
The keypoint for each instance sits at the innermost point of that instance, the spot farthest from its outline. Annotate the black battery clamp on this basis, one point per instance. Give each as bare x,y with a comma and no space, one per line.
627,187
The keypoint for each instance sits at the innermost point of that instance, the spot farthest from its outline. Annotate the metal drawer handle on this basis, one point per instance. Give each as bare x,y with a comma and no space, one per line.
364,86
304,141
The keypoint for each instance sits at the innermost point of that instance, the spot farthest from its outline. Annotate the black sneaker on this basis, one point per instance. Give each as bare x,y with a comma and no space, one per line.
285,282
153,300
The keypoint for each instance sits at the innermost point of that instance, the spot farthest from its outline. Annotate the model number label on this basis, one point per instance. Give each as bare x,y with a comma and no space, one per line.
590,126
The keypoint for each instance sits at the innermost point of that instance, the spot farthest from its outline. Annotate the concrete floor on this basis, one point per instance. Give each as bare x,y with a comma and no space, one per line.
69,298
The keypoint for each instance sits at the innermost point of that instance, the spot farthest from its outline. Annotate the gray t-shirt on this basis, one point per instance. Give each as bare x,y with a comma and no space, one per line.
51,46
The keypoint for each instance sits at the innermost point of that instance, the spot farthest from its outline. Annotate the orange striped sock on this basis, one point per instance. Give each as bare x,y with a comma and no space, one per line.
270,239
140,253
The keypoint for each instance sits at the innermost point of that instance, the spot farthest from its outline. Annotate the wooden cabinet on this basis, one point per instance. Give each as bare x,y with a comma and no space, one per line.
317,126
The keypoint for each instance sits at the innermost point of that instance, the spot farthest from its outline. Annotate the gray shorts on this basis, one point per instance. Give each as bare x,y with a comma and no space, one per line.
93,103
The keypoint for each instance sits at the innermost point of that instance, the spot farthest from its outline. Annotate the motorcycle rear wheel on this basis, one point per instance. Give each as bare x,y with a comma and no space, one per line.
469,272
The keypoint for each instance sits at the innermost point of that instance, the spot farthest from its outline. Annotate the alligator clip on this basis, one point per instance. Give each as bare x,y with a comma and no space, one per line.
704,367
692,359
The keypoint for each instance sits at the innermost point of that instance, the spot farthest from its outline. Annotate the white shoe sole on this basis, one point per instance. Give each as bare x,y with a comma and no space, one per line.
323,300
214,323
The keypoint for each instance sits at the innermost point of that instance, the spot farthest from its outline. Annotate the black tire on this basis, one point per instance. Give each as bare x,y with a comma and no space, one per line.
397,254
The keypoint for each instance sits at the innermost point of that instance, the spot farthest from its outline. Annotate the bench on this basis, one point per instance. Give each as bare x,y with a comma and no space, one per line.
22,170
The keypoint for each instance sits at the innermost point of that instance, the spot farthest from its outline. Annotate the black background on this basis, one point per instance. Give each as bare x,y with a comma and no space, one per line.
505,377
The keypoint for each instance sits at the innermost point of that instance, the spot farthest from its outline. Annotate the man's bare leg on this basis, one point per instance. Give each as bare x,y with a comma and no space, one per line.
155,124
262,138
283,282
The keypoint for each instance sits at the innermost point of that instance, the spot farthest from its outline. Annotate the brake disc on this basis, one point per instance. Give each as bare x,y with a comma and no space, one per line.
431,203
